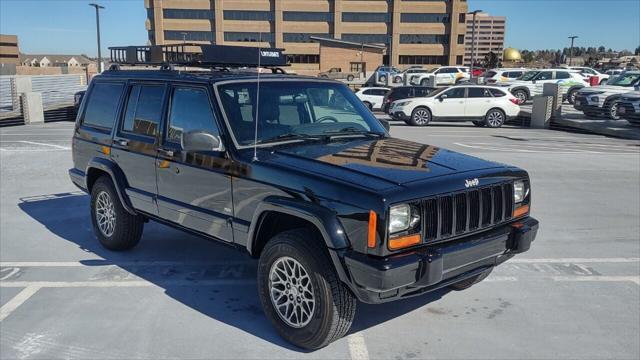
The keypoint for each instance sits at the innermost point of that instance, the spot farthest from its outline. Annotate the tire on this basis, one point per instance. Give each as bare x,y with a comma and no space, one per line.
467,283
368,104
603,81
324,76
333,307
479,123
521,95
124,230
423,82
382,78
350,77
612,110
397,79
571,97
495,118
420,116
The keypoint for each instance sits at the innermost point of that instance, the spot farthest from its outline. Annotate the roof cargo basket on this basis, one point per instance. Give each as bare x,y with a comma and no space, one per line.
189,54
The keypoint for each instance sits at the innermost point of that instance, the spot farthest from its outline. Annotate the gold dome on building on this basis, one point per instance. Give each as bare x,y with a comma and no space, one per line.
511,54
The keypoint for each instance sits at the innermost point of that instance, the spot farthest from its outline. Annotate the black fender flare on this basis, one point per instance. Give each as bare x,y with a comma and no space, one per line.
117,176
611,98
322,218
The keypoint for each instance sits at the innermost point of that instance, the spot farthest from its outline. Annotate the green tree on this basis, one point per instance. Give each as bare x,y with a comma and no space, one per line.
490,61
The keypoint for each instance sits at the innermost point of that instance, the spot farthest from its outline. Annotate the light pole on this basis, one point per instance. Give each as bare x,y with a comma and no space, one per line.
473,40
98,7
571,49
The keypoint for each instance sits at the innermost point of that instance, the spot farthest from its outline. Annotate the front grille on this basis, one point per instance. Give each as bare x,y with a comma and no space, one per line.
456,214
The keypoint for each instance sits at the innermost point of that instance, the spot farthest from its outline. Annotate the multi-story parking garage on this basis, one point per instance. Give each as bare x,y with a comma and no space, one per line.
415,32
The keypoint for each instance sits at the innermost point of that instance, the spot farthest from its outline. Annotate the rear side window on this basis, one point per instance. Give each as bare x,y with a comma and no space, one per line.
190,110
497,92
562,75
490,74
380,92
514,74
102,105
144,110
478,93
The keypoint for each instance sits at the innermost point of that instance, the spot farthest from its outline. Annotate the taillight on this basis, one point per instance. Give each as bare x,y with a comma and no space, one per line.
515,101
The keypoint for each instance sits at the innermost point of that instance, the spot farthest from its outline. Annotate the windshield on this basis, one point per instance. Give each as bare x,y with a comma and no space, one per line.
528,76
433,70
294,110
625,80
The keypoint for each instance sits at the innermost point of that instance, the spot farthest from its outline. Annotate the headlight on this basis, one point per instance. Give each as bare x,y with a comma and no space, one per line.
594,99
403,217
520,192
401,103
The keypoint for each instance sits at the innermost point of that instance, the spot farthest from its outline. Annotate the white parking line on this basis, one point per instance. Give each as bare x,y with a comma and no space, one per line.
574,260
633,279
99,262
17,300
45,144
357,347
124,283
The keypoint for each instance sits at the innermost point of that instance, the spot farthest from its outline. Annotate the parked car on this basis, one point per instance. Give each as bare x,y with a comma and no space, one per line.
299,174
338,74
408,73
484,105
502,75
604,99
372,97
77,99
445,75
531,83
404,92
477,72
588,73
614,72
384,72
629,107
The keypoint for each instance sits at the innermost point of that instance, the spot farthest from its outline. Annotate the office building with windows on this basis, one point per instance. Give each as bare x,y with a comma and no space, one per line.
490,31
414,32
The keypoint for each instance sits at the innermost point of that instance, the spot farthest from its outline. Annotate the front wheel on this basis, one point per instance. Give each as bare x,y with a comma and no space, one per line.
495,118
300,292
397,79
612,110
521,95
571,97
420,117
350,77
382,78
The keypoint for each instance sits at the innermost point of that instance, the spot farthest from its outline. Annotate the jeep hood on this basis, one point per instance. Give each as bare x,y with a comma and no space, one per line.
375,163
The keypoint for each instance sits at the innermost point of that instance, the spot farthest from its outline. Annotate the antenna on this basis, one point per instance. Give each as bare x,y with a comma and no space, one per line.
255,137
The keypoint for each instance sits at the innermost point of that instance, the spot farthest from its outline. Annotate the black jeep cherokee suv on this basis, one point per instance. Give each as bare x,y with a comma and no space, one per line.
335,209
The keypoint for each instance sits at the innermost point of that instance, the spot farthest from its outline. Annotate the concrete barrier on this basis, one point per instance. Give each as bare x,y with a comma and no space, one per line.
32,108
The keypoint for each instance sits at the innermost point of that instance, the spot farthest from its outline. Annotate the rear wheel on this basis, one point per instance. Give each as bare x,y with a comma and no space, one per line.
397,79
495,118
467,283
350,77
368,104
300,292
382,78
420,116
521,95
115,228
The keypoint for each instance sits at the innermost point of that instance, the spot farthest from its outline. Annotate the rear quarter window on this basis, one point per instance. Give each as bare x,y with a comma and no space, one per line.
497,92
102,105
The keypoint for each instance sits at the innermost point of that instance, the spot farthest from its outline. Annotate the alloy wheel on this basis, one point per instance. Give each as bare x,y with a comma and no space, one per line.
421,117
291,292
495,118
105,214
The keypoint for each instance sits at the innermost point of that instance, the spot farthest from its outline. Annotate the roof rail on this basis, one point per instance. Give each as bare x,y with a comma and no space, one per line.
198,55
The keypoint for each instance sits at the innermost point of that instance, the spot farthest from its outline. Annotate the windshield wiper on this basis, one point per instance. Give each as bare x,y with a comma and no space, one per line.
353,131
291,136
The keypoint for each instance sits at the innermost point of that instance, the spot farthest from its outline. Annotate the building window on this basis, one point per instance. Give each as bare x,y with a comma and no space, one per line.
307,16
459,60
249,36
303,59
367,38
188,35
424,18
462,18
356,67
302,37
365,17
423,39
187,14
248,15
422,60
460,39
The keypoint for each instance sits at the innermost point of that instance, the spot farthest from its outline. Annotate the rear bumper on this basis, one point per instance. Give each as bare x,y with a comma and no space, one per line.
378,280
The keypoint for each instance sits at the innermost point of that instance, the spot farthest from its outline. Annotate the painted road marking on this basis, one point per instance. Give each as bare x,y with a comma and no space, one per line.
541,149
633,279
125,283
45,144
17,300
573,260
357,347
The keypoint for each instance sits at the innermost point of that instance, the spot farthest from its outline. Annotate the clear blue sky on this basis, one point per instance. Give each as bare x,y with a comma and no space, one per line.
68,26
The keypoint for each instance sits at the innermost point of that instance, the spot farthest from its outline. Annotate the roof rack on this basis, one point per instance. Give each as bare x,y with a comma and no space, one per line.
198,55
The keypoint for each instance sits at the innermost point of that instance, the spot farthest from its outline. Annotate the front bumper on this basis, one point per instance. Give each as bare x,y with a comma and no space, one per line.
398,114
378,280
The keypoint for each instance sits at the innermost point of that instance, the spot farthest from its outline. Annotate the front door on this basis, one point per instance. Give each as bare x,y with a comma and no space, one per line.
135,143
451,105
194,188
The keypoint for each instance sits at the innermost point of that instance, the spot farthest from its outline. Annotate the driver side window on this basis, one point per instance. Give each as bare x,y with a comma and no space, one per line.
190,110
455,93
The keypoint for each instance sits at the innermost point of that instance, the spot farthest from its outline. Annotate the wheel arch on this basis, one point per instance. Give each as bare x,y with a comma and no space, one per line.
98,167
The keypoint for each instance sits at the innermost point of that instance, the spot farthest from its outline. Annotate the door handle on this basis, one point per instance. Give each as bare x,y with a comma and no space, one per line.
166,152
122,142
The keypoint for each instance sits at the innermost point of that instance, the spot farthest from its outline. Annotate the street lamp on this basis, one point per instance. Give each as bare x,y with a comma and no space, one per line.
571,49
98,7
473,39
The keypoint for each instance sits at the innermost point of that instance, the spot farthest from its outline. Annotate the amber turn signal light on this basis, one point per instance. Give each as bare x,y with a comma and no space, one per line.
522,210
404,242
371,239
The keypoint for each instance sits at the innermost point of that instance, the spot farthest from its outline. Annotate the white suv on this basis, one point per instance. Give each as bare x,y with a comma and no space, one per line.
372,96
588,73
484,105
410,73
604,99
630,107
445,75
500,76
532,82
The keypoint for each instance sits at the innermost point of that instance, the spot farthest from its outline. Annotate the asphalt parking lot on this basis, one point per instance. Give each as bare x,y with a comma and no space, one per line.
575,295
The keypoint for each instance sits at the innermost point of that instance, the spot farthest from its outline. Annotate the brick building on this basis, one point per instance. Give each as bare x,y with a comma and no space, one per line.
490,31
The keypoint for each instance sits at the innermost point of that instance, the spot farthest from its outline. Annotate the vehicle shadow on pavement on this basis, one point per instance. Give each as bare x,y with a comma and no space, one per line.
211,278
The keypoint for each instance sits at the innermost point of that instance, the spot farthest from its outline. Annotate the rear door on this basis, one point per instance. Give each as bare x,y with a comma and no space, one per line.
478,103
194,188
136,140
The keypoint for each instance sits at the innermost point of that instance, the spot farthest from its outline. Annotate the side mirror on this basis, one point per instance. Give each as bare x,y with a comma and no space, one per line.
199,140
533,82
442,97
386,124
